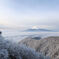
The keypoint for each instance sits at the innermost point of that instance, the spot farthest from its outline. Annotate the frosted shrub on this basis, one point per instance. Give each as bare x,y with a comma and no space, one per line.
3,54
24,52
10,50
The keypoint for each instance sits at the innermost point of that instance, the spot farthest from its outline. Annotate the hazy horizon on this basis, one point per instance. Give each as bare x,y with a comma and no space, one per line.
30,13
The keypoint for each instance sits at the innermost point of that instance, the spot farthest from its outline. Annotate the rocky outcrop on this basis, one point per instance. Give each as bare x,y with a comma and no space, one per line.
48,46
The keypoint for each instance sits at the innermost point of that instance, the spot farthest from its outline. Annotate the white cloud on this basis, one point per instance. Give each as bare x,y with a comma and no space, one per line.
43,27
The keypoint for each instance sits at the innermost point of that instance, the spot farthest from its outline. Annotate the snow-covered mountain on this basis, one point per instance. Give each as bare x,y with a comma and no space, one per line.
48,46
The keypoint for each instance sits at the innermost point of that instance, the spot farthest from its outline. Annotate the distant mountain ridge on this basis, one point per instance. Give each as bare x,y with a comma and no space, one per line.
33,30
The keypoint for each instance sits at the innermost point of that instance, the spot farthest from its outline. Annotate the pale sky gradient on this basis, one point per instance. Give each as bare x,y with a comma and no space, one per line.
26,13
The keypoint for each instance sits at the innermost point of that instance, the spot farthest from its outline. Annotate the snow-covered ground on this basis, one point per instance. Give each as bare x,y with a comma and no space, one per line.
10,50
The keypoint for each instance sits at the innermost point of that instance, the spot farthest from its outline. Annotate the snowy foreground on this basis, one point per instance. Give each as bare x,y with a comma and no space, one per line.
9,50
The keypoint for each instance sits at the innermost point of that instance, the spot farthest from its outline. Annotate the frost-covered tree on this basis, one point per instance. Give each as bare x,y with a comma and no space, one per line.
9,50
3,54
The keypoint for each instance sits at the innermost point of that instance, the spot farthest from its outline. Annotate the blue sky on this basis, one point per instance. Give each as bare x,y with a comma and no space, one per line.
25,13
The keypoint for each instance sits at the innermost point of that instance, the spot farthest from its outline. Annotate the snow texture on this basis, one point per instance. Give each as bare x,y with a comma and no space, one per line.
9,50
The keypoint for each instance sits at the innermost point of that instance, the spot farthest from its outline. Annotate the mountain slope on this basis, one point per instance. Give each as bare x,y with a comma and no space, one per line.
48,46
